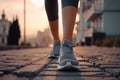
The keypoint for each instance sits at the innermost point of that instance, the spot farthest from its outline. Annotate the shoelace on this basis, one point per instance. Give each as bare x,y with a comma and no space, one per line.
68,46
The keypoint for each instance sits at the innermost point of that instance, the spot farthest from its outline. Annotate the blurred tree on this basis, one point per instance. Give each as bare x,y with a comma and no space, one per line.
14,33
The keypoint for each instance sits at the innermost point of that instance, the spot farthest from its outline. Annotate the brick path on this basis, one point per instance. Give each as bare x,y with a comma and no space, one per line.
33,64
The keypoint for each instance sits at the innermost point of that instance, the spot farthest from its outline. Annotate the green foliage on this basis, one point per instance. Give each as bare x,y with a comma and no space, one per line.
116,43
108,42
98,42
14,33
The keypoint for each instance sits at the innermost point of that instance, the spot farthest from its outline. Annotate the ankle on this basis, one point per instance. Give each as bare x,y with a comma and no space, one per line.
67,41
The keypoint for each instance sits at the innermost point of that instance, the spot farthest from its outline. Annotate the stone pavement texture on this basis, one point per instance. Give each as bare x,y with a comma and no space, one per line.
33,64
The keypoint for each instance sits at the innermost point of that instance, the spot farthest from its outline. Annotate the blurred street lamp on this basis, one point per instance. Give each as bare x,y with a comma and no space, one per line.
24,22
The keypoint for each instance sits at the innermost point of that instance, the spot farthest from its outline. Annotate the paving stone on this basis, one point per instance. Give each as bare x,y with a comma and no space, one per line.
18,58
13,64
95,74
7,68
98,78
80,58
109,66
12,77
15,61
113,60
2,59
29,69
85,64
57,78
41,62
58,73
52,65
34,59
50,69
45,78
113,70
74,78
88,68
105,63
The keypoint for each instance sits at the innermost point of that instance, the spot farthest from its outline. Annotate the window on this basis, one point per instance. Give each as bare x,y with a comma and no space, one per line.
3,40
4,29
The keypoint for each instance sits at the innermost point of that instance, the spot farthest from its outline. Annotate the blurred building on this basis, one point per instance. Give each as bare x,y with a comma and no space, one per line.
80,25
44,39
102,17
4,28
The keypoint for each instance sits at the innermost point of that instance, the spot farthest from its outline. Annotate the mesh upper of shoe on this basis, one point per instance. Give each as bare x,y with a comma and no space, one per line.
56,48
66,54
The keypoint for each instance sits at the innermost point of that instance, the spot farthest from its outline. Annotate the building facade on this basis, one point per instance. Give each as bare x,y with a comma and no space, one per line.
83,28
101,18
103,15
44,39
4,28
80,25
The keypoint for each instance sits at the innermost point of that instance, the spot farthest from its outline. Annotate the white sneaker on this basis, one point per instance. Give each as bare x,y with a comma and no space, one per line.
55,51
67,60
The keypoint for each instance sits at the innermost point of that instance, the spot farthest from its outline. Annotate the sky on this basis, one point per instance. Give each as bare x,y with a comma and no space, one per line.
36,18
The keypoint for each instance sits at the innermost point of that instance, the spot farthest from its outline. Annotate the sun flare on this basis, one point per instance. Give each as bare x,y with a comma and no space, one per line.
37,3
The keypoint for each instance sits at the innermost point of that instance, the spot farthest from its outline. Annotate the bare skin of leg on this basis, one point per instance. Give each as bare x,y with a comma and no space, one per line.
68,16
54,29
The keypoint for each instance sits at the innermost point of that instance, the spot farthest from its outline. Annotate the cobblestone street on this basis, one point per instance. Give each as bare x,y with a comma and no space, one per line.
33,64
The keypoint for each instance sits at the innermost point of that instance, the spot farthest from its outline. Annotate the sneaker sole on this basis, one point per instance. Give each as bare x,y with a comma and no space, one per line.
56,57
68,67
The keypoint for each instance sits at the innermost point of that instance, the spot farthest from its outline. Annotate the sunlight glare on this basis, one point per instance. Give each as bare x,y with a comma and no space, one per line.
38,3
